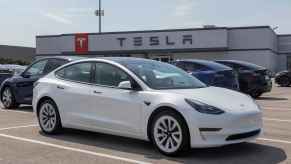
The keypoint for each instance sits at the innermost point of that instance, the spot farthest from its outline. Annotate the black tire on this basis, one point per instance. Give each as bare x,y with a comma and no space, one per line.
284,81
56,127
255,94
11,104
185,143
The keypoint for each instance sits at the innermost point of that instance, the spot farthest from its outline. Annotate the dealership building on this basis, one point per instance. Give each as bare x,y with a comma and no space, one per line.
256,44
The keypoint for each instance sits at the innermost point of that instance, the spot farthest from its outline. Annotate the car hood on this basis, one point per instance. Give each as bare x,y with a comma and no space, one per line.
222,98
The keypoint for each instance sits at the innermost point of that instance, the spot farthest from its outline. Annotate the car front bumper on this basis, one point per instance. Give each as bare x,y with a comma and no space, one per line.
226,129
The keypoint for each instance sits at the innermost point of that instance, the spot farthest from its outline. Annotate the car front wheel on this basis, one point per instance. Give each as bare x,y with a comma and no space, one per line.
169,133
49,118
8,99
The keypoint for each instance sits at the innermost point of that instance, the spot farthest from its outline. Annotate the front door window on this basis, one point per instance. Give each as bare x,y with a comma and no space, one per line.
37,69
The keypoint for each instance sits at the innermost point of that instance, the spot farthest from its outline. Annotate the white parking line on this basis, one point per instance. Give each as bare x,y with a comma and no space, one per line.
74,149
15,111
274,119
274,140
17,127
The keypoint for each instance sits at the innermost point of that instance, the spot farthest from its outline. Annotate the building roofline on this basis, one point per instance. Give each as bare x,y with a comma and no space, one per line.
284,35
13,46
163,30
248,27
140,31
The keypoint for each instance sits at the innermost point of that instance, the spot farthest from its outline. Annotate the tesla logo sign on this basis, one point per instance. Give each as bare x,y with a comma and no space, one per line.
81,43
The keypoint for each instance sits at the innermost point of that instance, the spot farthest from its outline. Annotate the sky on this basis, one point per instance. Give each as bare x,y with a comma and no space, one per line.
22,20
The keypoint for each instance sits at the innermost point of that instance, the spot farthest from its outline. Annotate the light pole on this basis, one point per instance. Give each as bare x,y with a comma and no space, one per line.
100,13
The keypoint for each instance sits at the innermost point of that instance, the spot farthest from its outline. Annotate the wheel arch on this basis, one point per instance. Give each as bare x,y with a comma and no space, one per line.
157,111
4,86
12,89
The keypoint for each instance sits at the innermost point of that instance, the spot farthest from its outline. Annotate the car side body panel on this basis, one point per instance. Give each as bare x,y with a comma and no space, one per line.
241,116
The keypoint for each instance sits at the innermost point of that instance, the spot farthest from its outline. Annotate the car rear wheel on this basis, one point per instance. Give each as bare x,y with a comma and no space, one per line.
284,81
169,133
8,99
49,118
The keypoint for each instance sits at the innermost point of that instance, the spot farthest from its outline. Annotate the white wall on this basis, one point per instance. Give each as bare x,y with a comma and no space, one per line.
281,63
253,38
48,45
284,43
200,55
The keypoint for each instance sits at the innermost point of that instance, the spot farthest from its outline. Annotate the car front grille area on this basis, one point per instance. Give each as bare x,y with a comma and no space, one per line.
243,135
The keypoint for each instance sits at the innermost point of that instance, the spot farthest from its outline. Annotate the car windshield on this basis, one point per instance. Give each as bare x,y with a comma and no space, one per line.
158,75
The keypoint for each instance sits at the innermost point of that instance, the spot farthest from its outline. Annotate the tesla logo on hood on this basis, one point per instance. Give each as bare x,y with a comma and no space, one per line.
81,43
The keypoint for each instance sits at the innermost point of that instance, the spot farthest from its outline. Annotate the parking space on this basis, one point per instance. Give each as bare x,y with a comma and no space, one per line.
22,142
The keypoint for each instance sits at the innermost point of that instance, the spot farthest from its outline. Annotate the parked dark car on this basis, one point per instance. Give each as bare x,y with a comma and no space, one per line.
18,89
209,72
253,79
283,78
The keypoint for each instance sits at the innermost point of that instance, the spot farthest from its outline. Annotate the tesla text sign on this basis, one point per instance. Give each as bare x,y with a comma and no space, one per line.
159,40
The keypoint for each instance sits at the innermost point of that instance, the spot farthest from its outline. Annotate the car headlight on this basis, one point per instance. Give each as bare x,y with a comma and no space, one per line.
204,108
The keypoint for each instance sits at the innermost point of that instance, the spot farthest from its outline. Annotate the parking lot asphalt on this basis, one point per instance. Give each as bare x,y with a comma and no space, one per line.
22,142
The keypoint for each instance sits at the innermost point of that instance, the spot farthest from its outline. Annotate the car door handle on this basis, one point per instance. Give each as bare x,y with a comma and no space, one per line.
97,92
60,87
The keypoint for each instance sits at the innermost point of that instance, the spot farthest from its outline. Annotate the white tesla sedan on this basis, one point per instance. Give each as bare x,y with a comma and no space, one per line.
147,100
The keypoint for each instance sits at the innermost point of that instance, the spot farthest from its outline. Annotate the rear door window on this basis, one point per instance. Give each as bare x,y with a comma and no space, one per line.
80,72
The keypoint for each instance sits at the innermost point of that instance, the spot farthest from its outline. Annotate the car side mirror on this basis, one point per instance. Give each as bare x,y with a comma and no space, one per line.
26,75
125,85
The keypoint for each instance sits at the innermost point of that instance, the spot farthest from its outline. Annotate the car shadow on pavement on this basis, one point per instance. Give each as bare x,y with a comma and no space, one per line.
272,98
27,109
279,86
22,108
238,154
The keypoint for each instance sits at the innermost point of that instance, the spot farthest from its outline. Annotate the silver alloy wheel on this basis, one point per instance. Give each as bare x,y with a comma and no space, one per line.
7,97
47,117
168,134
